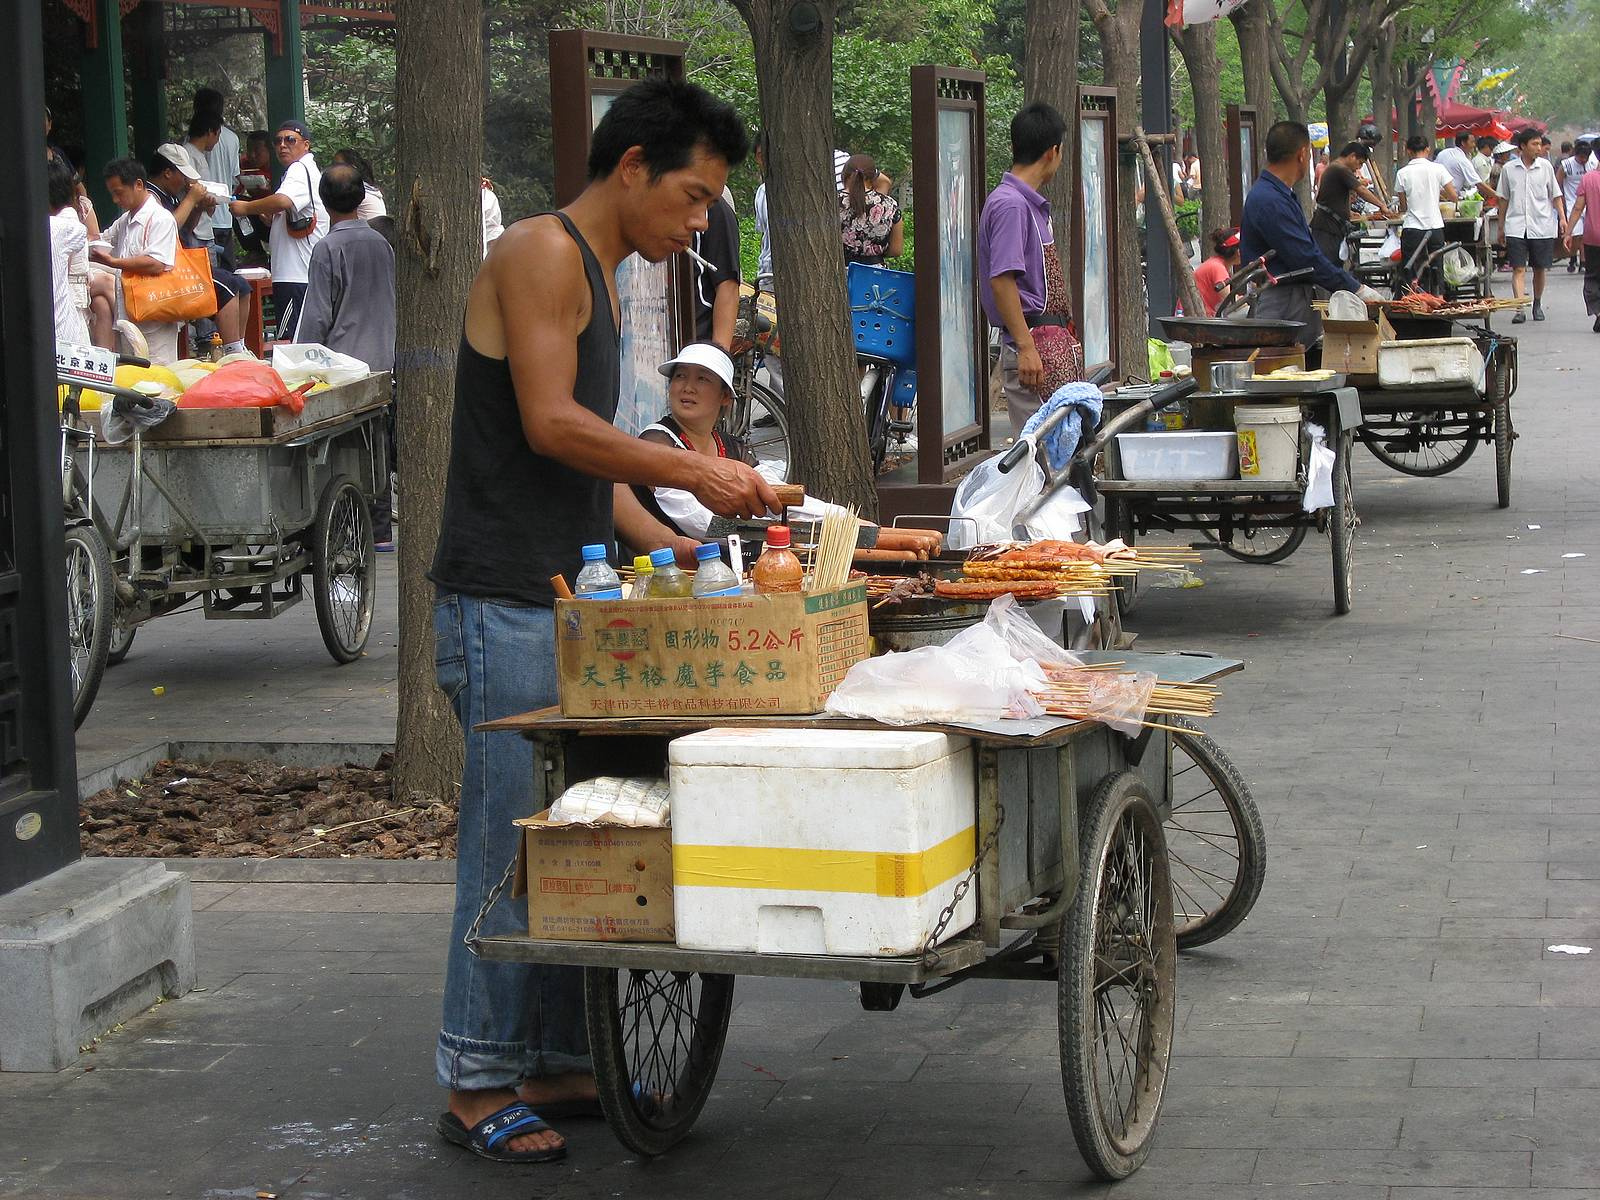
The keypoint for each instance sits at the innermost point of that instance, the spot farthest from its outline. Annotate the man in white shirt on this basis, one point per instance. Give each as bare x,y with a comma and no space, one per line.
1483,159
1534,214
299,222
1570,175
1418,188
222,164
493,221
205,131
144,241
1463,174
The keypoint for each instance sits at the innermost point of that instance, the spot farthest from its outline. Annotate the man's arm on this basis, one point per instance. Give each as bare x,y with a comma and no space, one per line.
316,310
1572,219
1030,367
267,206
1297,249
1371,197
637,529
725,313
537,287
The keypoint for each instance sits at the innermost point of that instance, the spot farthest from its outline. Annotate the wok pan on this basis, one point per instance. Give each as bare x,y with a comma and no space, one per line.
1238,331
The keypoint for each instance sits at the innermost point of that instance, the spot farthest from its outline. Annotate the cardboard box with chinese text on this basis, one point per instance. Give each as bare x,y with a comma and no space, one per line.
595,882
1351,347
755,655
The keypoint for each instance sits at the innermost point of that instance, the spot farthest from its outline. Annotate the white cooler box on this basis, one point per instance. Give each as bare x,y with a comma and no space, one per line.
813,841
1430,362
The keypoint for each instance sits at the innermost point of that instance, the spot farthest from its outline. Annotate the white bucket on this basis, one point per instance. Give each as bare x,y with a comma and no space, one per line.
1269,440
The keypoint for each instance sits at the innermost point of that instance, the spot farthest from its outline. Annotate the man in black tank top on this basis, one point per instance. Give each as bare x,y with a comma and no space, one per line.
535,467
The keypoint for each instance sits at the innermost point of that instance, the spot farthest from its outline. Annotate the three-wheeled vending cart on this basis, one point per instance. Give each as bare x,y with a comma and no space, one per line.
1093,856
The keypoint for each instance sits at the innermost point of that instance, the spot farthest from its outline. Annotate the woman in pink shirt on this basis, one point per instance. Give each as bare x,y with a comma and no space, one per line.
1588,198
1211,276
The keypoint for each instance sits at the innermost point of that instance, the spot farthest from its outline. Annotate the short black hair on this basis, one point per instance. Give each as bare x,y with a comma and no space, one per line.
1525,135
207,100
1463,137
1285,140
1417,143
341,188
357,160
126,171
258,137
1566,147
1035,131
61,182
666,119
1487,141
1360,149
203,123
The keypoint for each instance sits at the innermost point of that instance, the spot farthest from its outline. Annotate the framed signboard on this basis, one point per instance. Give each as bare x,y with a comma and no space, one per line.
589,70
1244,156
1094,227
947,157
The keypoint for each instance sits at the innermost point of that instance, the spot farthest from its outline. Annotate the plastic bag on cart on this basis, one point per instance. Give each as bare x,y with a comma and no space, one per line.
250,384
616,800
1119,699
989,502
1023,637
311,362
973,677
1390,250
1459,269
1319,471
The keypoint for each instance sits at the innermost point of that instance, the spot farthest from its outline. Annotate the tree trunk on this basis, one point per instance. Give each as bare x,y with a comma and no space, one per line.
1050,74
1198,45
1381,72
1119,49
439,129
794,78
1255,58
1428,118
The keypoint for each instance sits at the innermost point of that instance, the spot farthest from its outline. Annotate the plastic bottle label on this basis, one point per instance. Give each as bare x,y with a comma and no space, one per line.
609,594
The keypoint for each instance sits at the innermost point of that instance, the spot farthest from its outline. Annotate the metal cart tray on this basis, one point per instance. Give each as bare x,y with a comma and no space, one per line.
1267,386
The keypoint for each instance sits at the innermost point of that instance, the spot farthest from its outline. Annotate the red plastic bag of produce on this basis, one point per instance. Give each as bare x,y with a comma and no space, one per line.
243,385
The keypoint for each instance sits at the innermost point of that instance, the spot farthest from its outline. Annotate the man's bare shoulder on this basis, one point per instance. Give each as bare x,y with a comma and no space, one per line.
540,244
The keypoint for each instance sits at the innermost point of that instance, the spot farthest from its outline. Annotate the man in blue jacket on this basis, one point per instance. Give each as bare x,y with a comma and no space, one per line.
1273,220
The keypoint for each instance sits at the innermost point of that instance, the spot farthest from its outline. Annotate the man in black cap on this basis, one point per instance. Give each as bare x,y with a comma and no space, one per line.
299,222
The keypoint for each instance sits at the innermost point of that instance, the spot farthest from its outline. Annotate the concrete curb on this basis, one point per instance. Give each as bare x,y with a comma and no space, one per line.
289,754
311,870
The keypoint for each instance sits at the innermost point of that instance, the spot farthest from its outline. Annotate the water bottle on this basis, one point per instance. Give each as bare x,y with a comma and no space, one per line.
597,581
668,582
643,568
714,577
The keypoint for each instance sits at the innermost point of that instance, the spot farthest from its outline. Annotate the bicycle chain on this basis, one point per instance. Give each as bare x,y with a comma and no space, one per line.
472,941
930,953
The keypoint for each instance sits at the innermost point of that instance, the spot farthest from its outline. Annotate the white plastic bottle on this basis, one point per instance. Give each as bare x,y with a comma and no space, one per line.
597,581
713,577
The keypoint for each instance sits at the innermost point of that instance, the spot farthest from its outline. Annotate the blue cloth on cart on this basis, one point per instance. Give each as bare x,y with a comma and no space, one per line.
1083,400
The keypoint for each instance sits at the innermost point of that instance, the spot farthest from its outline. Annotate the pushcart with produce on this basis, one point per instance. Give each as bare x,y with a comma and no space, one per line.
1091,839
234,509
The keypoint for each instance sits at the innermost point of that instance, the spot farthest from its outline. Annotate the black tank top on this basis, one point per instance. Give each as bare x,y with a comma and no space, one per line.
512,517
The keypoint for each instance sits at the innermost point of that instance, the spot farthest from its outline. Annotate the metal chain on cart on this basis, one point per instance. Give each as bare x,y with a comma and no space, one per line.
472,941
930,952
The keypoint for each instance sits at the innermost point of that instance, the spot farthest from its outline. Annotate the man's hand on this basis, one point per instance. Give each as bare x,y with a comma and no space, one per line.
683,549
102,256
1030,367
731,489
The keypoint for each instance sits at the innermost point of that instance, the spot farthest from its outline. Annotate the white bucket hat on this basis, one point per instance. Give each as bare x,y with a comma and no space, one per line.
703,354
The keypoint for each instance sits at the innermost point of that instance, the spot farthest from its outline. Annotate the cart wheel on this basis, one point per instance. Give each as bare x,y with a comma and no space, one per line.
1504,435
343,569
1266,544
1426,442
1216,846
768,435
122,635
656,1038
1117,987
1342,528
91,597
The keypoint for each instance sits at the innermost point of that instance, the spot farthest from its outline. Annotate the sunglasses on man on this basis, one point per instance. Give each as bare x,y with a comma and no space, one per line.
286,140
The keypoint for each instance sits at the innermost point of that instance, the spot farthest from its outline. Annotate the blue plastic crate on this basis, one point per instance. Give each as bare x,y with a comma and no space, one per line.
883,313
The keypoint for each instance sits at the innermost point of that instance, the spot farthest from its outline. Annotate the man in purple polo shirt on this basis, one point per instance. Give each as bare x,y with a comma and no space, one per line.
1013,235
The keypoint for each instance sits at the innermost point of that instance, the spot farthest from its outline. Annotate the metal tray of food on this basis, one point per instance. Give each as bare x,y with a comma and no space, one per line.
1266,385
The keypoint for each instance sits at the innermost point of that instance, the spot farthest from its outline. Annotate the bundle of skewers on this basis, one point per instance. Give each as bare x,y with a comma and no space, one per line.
1107,691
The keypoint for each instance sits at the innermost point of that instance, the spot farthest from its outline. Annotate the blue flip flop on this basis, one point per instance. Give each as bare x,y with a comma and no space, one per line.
488,1136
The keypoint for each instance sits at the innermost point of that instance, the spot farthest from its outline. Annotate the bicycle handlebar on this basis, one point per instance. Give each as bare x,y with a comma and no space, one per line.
1019,450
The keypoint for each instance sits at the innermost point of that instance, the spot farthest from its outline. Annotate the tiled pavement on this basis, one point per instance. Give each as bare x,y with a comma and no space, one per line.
1388,1025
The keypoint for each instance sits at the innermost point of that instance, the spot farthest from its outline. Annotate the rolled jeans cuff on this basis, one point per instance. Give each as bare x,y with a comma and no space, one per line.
464,1065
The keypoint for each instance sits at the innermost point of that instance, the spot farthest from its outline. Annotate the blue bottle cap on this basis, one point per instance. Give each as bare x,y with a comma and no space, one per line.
663,557
706,551
595,553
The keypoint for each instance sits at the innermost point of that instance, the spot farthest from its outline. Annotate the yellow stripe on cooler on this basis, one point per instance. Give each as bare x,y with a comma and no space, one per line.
805,870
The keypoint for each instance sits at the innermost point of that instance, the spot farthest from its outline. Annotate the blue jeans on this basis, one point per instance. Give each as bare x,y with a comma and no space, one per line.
503,1022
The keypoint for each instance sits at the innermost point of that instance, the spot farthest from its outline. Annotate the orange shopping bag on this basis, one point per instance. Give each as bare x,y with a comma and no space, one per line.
184,293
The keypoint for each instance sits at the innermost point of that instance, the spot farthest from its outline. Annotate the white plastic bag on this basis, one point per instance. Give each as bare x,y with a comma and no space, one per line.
1023,637
306,362
615,800
973,677
1319,471
1459,267
991,502
1390,250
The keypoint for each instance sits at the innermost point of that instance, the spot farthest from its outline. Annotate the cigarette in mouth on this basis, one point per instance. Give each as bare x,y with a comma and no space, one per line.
690,252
